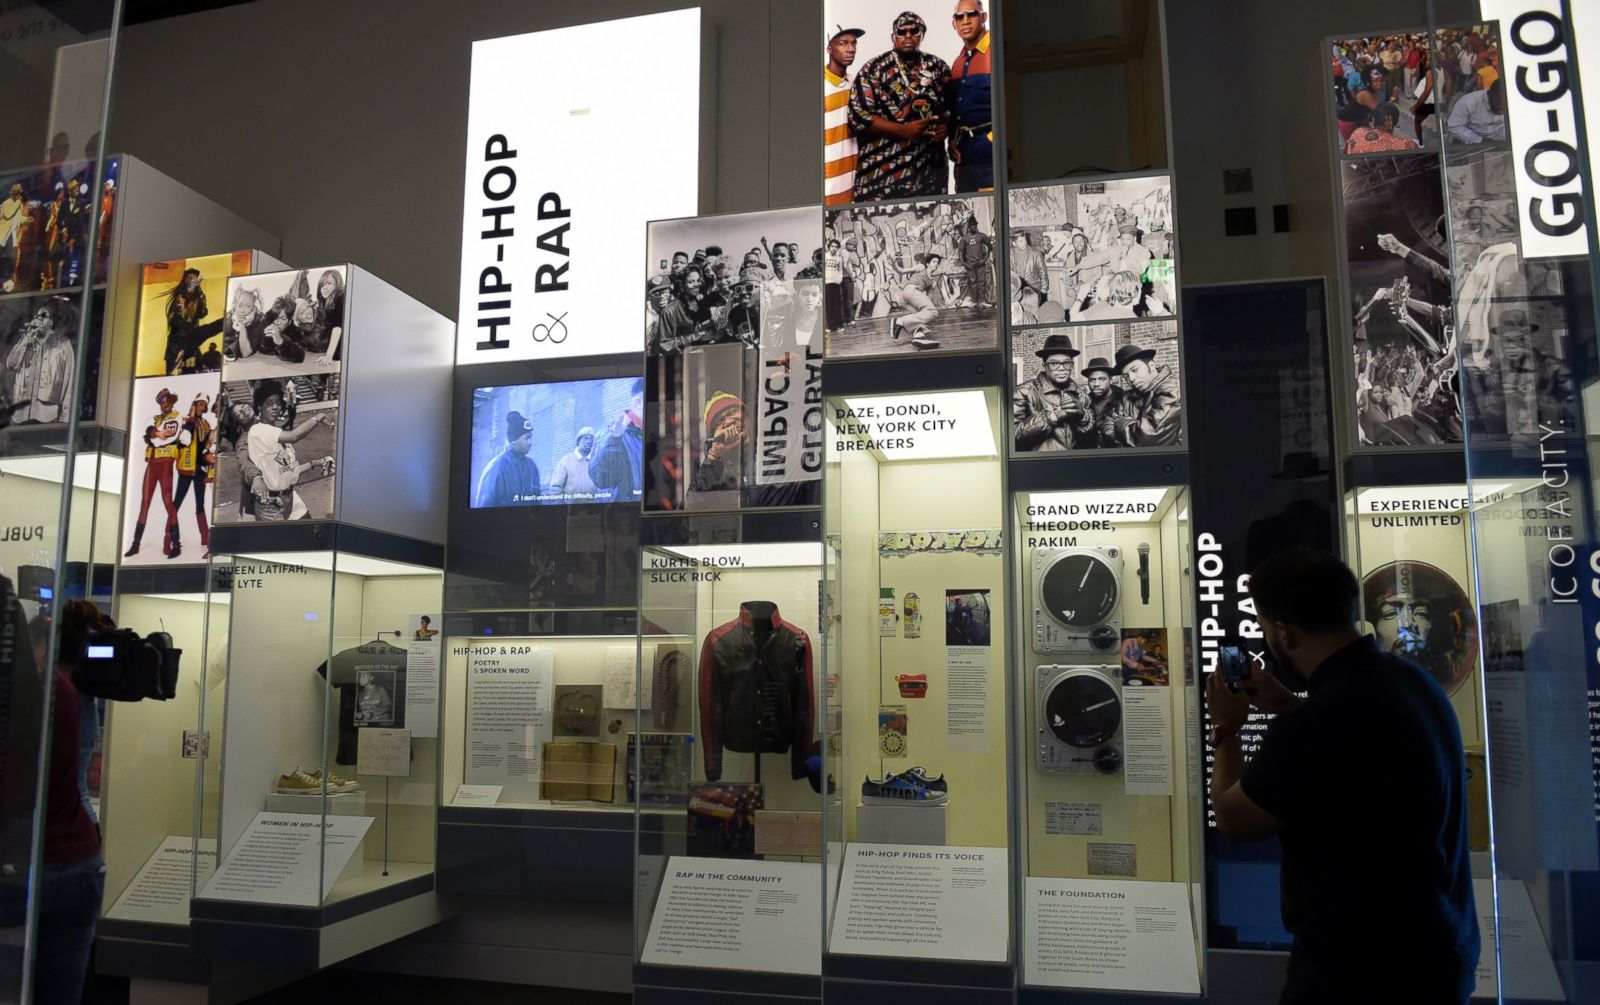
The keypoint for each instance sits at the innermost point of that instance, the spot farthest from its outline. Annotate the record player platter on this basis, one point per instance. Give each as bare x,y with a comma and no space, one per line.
1078,591
1083,710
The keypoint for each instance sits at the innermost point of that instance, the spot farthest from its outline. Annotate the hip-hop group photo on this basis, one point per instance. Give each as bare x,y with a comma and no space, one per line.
1094,387
1092,251
46,214
906,99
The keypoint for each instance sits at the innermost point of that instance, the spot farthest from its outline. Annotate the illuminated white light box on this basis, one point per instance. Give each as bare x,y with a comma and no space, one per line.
568,157
931,426
1140,505
755,555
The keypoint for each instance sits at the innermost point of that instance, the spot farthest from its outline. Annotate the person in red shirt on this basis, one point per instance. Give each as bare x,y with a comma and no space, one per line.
1379,137
69,883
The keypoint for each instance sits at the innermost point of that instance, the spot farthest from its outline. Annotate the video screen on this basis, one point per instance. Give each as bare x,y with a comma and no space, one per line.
558,444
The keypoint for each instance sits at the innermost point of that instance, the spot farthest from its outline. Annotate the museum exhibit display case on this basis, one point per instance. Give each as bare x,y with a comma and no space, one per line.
563,608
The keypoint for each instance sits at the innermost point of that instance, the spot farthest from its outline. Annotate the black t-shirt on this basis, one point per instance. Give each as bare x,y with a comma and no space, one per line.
1368,777
371,681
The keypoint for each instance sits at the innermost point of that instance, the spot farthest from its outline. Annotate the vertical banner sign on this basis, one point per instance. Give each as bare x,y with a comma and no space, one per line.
555,201
1538,50
1261,482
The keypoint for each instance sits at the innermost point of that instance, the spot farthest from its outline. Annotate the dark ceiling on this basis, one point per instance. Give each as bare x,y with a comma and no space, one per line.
93,16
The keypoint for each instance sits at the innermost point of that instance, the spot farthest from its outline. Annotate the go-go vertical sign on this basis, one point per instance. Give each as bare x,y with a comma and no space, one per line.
568,157
1540,47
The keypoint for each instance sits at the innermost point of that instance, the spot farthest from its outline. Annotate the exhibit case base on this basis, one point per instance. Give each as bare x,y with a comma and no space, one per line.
304,940
654,985
860,980
501,852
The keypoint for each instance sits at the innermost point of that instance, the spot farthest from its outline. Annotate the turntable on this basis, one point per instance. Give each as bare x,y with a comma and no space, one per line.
1079,712
1076,600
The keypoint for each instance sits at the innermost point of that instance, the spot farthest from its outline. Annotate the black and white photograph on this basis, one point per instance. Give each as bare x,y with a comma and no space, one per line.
171,470
375,698
1092,251
1512,323
39,343
1385,97
281,324
906,278
276,444
712,279
1397,249
906,99
1093,387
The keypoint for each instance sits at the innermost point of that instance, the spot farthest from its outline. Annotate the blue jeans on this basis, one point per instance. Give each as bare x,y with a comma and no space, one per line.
88,739
69,906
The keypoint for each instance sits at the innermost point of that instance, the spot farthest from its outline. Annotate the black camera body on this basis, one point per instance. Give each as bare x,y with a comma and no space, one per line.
120,665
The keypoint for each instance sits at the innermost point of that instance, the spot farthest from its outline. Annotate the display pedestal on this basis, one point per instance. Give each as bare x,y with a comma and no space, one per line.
891,824
350,804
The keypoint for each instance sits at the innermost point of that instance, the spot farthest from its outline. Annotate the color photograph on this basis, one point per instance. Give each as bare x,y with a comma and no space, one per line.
45,218
171,470
906,99
182,312
1417,611
557,444
1385,97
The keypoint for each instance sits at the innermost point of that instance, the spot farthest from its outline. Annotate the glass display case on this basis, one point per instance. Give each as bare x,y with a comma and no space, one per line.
916,688
328,678
1108,749
726,766
540,632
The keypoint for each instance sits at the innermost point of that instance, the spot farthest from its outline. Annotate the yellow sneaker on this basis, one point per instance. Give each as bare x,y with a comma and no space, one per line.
336,783
299,782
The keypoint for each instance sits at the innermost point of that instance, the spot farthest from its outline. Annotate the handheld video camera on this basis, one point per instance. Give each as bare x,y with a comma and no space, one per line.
119,665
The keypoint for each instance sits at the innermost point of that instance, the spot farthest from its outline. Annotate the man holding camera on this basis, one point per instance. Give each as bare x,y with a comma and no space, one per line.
1364,782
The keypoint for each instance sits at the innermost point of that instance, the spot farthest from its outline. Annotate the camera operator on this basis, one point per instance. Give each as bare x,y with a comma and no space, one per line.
71,881
1364,782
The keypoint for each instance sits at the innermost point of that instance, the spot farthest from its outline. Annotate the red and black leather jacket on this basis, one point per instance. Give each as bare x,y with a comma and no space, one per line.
755,689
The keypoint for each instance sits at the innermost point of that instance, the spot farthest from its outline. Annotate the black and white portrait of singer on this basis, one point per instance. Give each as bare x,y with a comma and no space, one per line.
1096,387
36,335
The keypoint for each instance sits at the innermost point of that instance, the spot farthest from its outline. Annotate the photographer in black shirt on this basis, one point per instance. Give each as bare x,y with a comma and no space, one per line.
1364,782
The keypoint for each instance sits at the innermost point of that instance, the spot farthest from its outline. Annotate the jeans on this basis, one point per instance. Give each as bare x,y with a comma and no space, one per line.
88,739
69,905
923,309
